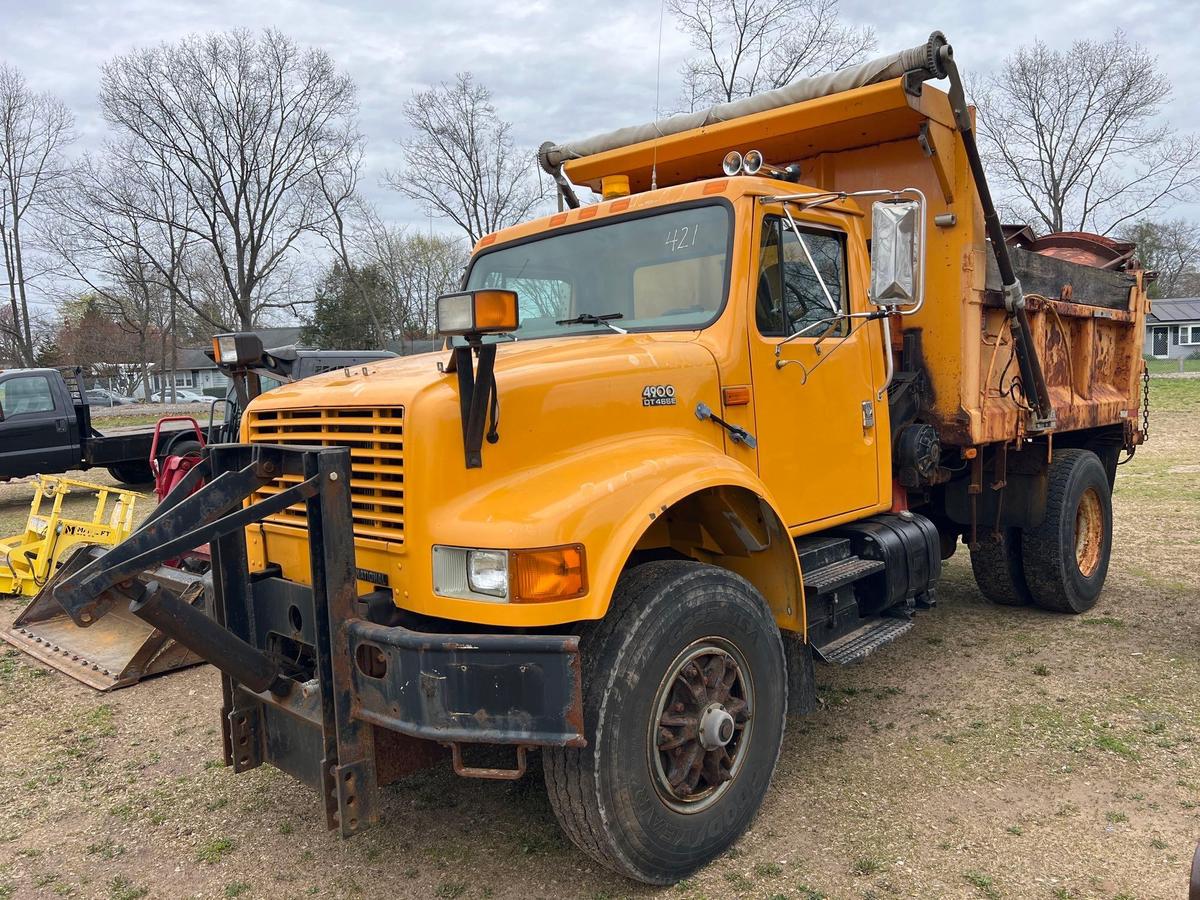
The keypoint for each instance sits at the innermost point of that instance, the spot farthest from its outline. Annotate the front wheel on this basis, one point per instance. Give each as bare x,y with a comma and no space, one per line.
684,694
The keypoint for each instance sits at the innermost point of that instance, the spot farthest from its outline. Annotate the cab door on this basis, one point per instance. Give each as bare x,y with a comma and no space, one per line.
819,422
35,431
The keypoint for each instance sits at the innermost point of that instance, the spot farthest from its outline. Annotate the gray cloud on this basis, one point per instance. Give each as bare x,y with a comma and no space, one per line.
556,70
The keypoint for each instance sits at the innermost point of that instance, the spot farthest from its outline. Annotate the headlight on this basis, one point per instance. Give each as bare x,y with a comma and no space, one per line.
541,575
487,572
478,312
242,348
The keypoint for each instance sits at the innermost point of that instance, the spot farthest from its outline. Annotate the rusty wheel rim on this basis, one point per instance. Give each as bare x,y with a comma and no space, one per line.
1089,532
700,732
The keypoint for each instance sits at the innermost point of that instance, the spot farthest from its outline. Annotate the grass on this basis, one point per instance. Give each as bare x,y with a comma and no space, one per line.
1167,366
216,850
866,865
985,884
121,888
1114,744
1173,395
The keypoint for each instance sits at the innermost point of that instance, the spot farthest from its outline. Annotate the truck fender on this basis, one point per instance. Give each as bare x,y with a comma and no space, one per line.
735,527
659,492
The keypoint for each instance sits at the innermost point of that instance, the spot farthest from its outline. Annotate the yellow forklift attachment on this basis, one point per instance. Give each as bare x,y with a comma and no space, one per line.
27,560
121,649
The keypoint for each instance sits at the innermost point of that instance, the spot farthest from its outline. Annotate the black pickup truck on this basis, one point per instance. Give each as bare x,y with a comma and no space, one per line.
46,423
46,427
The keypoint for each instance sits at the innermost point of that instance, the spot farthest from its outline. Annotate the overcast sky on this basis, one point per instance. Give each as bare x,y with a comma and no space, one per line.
557,70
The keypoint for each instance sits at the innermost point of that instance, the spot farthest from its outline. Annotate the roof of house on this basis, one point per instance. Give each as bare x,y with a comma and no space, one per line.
1182,309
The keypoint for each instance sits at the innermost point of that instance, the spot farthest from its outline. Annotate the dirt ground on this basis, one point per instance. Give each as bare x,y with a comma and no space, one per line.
989,753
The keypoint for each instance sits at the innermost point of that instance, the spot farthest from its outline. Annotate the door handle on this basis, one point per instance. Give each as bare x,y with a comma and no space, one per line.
60,424
868,414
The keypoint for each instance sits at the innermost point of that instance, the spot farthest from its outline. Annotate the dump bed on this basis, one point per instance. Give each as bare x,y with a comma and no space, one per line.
1087,321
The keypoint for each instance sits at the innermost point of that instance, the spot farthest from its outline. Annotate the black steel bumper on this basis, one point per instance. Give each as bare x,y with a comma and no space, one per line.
491,688
309,685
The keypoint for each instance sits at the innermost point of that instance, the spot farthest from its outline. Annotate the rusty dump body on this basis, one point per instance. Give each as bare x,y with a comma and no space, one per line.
1086,298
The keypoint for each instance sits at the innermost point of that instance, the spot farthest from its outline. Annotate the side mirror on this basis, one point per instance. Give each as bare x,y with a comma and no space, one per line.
895,273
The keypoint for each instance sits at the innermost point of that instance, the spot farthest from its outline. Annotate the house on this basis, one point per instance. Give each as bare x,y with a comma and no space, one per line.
1173,328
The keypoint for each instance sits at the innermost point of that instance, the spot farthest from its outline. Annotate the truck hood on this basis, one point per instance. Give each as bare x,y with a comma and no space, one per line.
608,363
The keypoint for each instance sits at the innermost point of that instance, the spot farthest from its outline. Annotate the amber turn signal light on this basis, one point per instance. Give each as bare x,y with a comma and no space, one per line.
477,312
736,396
548,573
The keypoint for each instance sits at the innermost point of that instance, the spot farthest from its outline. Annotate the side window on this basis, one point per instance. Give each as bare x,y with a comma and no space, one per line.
28,394
790,296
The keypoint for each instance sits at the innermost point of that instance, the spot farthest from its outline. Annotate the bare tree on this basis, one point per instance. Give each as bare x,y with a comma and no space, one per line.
244,128
129,265
416,269
748,46
462,163
1074,138
1172,250
435,266
34,129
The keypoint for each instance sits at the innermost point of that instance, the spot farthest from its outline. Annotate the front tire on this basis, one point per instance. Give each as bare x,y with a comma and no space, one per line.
684,695
1066,557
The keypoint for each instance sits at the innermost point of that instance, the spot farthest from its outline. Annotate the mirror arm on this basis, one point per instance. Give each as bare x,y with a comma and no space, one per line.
889,357
833,308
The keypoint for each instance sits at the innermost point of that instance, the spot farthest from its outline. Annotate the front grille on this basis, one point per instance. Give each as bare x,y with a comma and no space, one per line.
376,441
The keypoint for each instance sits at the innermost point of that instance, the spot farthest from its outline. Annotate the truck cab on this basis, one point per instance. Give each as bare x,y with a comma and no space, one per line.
38,428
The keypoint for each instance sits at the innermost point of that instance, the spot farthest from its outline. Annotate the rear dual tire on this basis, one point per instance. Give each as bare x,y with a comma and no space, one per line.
684,695
1061,564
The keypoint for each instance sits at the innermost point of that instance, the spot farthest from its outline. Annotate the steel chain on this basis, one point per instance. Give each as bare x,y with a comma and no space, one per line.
1145,403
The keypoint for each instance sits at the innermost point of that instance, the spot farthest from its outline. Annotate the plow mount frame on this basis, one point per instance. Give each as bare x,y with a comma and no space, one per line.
309,683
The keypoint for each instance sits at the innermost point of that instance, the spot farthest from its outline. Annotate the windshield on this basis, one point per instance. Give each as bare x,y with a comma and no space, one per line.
666,271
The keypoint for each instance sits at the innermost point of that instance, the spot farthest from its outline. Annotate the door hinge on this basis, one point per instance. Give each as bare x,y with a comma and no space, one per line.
868,413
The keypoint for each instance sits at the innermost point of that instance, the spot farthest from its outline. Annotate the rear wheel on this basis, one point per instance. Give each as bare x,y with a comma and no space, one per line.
684,694
1066,557
999,572
131,472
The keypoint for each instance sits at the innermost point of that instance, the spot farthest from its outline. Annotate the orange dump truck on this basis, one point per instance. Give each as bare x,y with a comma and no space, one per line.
681,443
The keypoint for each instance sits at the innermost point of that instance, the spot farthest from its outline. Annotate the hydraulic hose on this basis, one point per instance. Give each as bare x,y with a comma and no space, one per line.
1032,375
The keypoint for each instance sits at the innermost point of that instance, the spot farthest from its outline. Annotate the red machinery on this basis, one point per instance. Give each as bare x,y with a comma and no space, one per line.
169,470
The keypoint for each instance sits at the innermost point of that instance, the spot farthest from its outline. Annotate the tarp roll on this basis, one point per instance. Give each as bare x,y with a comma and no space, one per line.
924,57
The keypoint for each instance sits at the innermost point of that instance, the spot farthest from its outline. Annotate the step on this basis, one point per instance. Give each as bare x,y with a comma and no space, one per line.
864,640
839,574
816,552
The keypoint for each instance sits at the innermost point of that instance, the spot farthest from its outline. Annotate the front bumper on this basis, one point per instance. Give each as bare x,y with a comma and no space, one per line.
489,688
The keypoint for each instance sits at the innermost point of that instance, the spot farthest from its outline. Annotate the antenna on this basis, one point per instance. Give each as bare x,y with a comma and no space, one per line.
657,94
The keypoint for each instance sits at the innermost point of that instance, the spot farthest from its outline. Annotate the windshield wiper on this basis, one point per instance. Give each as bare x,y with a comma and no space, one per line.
593,319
